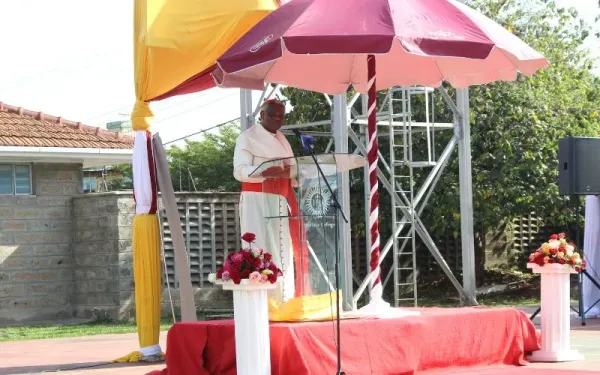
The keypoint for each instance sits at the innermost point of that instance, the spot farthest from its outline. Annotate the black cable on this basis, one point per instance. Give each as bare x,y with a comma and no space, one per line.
202,131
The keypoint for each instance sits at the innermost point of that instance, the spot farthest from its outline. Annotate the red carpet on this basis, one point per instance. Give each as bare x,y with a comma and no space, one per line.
440,338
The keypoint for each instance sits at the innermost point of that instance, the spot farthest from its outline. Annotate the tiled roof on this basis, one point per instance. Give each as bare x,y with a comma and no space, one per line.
21,127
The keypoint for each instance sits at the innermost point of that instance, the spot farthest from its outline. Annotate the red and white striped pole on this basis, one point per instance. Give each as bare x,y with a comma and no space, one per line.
373,158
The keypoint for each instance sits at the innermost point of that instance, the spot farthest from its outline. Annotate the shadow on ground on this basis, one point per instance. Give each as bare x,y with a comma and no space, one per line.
80,367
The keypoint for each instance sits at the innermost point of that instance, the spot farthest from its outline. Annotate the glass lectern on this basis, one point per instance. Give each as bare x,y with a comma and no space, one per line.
301,221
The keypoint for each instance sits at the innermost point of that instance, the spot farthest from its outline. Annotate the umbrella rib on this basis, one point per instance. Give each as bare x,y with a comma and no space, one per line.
351,71
439,70
504,52
282,42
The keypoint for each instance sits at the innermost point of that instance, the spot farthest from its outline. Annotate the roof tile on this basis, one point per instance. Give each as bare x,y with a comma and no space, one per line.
21,127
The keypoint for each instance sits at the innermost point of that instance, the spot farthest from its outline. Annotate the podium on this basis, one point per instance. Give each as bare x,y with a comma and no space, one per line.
301,231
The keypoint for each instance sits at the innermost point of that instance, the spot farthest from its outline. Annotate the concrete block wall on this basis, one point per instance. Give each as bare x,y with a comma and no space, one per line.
102,255
103,261
36,266
65,255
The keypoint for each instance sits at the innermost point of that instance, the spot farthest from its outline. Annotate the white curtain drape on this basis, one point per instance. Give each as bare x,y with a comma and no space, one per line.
591,249
141,173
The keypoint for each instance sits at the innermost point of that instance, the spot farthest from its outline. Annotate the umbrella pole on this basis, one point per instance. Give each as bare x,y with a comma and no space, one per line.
376,291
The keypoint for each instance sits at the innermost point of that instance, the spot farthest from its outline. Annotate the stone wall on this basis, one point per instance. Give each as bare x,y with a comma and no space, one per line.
36,270
103,259
102,255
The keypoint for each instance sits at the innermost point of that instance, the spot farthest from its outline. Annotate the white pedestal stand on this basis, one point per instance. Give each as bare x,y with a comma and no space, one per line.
251,318
555,314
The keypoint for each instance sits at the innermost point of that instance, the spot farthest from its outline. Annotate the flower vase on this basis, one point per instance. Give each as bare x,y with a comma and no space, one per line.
251,319
555,314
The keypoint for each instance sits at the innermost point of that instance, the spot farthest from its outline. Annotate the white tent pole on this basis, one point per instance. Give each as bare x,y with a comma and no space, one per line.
246,110
466,195
339,129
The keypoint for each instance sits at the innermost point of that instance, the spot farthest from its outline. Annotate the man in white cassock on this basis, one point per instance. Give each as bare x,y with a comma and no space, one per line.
263,206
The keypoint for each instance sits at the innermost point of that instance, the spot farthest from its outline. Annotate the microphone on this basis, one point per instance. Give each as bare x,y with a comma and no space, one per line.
306,141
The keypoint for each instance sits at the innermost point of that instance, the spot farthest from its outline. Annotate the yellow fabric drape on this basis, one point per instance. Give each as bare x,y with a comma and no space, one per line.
142,114
147,277
173,41
305,308
181,38
146,236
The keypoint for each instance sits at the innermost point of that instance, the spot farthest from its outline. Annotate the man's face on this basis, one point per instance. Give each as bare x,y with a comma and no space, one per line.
273,116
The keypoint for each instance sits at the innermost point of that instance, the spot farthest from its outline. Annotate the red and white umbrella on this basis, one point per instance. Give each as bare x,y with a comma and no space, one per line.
322,45
328,45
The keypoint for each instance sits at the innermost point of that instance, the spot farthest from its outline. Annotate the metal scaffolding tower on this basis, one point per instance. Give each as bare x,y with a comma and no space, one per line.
402,180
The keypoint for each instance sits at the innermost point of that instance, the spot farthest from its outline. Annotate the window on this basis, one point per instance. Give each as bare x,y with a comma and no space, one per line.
15,179
89,184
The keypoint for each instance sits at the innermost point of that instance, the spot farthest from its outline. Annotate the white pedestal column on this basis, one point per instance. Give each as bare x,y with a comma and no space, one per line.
251,317
555,314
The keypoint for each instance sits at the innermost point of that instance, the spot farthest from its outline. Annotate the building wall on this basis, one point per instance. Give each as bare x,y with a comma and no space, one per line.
101,245
103,256
36,263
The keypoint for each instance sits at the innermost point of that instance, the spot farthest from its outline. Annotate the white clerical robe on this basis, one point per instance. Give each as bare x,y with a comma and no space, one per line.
591,250
260,213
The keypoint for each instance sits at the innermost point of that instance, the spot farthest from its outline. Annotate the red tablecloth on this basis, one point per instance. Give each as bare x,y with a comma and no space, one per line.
438,338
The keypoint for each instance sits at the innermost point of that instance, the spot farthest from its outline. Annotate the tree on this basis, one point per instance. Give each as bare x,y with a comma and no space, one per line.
124,179
205,165
516,125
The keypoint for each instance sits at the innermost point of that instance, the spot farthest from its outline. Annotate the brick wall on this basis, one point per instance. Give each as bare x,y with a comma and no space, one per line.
36,270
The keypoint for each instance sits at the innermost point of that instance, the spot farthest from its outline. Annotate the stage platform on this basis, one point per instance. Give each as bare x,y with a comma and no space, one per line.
440,338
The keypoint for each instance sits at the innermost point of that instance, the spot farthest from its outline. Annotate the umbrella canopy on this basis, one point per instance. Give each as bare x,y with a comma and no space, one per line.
322,45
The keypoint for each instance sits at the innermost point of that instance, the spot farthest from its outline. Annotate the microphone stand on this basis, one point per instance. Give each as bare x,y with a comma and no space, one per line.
309,147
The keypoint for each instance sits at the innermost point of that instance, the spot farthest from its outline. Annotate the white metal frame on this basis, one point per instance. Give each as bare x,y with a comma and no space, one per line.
343,116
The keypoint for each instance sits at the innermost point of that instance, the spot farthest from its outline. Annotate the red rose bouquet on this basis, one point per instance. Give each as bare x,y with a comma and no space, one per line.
558,250
252,264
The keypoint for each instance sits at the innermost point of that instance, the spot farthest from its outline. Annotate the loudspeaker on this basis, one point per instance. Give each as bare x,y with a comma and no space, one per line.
579,166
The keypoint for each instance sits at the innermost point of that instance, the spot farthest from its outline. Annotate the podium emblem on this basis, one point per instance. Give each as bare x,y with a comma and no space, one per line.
317,201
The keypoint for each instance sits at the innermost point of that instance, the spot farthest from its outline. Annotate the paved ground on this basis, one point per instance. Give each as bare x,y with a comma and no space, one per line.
72,354
585,339
78,355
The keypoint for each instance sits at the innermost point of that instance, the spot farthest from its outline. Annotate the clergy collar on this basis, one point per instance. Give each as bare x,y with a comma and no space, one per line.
263,130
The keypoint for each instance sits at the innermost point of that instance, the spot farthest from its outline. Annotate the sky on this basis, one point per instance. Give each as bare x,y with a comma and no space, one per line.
74,59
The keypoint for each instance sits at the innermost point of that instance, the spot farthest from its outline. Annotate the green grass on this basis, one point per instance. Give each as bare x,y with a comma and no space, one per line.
15,333
496,301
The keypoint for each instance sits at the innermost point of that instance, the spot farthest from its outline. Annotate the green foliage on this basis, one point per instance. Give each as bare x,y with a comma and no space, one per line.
516,125
207,164
124,181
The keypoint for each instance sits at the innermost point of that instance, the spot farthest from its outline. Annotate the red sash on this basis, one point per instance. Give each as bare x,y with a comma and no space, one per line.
283,187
